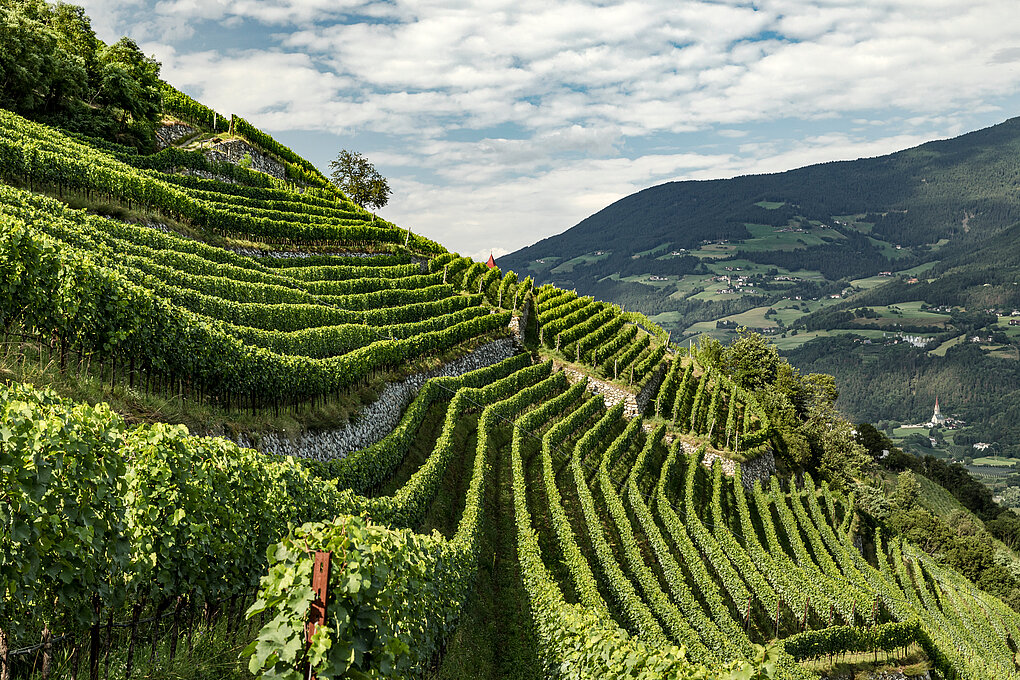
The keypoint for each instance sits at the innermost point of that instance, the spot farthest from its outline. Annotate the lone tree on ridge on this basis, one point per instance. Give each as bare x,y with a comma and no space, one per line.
356,177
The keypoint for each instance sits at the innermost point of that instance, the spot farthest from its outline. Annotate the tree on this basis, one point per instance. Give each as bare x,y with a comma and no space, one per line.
54,69
843,459
130,80
907,490
356,177
752,360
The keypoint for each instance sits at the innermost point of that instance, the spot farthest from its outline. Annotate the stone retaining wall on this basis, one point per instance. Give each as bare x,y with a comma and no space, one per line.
379,418
758,469
169,135
519,322
611,394
205,174
890,674
236,149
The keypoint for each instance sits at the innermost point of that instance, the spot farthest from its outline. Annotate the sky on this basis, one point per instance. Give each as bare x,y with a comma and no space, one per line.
502,122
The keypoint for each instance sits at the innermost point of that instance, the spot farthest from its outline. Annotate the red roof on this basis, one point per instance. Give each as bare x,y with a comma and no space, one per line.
491,262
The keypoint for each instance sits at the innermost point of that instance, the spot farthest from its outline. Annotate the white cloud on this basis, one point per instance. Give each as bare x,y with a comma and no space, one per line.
508,120
521,211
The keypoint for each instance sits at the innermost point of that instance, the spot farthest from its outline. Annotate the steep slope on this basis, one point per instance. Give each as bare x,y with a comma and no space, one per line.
529,489
919,243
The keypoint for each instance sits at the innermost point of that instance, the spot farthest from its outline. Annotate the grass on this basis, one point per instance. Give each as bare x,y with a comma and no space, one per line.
766,237
215,655
770,205
996,461
940,351
870,665
855,222
495,638
870,282
651,251
568,266
933,497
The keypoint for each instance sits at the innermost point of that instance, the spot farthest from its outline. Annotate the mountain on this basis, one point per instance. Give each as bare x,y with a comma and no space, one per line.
915,249
962,189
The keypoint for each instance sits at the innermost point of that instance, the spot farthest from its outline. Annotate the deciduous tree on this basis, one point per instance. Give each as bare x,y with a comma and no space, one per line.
358,178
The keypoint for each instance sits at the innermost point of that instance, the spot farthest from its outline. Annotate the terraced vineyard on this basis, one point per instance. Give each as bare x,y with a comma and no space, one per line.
634,558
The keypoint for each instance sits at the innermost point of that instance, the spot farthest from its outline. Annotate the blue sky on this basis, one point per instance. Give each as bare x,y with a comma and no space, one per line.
501,122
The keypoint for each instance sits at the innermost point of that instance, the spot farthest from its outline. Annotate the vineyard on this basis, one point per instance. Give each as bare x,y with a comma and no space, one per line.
600,474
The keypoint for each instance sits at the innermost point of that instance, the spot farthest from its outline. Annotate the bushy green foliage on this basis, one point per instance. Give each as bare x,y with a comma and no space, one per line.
95,507
55,69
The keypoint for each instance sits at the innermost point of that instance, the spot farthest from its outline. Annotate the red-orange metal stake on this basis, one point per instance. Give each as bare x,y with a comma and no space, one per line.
320,584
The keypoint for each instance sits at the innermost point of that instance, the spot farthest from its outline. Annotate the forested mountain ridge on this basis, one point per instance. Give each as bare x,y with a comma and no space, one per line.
916,248
961,188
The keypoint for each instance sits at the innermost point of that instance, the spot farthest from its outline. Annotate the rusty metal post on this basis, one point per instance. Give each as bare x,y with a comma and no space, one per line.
317,611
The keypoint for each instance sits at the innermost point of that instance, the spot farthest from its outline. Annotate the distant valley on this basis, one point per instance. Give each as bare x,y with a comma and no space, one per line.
897,274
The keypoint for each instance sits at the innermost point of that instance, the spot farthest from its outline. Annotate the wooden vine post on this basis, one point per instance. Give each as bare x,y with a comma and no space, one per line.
317,612
94,641
5,669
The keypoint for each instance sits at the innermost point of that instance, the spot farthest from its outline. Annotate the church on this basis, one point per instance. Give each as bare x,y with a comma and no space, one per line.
937,419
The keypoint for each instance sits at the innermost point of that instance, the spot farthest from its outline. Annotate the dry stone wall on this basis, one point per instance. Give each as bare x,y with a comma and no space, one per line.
611,394
379,418
235,150
169,135
758,469
888,674
633,404
519,322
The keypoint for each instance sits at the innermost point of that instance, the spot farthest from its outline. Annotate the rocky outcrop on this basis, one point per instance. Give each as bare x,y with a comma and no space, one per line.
757,469
235,150
205,174
169,135
379,418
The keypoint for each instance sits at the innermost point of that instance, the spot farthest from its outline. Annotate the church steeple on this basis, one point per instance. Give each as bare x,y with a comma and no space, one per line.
937,418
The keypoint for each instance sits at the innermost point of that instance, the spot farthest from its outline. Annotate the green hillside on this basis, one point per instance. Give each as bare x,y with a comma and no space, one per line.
563,493
836,262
